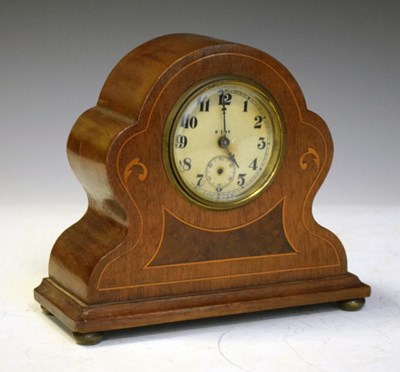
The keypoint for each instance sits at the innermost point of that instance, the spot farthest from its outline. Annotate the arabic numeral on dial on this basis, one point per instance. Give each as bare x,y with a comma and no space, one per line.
180,141
225,98
186,164
261,143
189,122
200,179
253,164
245,105
258,121
205,105
241,179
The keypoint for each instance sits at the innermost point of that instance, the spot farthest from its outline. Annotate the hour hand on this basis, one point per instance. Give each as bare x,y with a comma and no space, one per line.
233,159
224,143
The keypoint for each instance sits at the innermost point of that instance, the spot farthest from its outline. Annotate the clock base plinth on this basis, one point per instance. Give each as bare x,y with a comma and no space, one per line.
84,319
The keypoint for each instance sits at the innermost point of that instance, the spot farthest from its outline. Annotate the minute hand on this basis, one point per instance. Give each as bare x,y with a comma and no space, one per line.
224,141
224,111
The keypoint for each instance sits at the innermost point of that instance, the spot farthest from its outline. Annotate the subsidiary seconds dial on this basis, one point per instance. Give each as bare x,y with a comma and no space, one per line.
223,142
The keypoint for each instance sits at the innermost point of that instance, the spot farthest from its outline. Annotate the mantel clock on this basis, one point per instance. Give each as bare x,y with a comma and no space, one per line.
201,163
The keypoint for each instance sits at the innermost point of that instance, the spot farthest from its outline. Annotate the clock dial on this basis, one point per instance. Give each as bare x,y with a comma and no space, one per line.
224,142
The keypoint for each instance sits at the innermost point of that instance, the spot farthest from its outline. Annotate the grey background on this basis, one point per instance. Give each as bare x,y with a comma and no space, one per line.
56,55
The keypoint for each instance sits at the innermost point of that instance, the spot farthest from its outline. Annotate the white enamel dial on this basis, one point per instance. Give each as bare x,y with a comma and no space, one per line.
224,142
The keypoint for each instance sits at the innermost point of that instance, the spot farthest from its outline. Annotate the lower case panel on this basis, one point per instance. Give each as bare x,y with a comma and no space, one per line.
82,318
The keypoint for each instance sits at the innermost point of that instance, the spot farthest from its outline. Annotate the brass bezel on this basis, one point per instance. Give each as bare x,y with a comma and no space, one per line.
269,172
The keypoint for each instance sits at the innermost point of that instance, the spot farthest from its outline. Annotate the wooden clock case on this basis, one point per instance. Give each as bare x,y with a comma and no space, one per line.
143,254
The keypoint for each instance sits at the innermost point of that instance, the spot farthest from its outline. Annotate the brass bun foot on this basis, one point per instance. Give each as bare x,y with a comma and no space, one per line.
45,311
88,339
352,305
